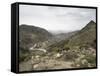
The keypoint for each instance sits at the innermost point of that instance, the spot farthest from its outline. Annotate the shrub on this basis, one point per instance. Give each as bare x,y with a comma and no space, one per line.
55,49
70,56
23,56
88,60
91,59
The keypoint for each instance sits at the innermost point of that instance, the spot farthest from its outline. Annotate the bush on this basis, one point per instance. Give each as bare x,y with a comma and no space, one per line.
91,59
55,49
23,56
70,56
84,47
88,60
66,47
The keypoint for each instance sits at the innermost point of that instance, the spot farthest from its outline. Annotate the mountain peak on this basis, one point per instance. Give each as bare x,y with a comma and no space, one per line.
86,35
91,22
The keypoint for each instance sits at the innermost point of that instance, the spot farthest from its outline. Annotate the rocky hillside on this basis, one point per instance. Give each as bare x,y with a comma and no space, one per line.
86,35
80,48
29,35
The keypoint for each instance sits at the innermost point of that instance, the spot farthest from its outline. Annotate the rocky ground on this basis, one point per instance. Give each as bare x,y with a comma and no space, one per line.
44,64
65,60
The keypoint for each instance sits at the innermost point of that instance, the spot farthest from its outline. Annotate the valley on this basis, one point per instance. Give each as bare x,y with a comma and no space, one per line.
42,50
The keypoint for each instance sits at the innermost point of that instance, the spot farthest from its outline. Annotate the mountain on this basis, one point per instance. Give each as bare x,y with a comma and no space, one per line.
63,36
86,35
29,35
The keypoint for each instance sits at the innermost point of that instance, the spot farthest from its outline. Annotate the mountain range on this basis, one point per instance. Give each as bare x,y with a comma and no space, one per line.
75,49
84,37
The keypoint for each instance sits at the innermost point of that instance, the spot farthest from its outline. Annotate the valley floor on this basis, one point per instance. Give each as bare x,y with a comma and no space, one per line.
47,64
55,61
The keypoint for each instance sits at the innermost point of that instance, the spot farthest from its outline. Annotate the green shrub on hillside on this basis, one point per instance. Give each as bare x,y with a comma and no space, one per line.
70,56
23,55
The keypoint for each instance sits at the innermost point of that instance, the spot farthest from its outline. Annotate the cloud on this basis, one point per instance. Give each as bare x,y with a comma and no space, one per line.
56,18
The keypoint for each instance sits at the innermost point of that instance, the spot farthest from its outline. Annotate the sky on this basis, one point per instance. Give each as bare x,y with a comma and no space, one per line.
56,18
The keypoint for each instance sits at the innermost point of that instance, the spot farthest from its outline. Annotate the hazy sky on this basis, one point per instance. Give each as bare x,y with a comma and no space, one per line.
56,18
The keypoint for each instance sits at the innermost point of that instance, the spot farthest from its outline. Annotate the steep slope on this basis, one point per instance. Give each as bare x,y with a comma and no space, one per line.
59,40
63,36
29,35
86,35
